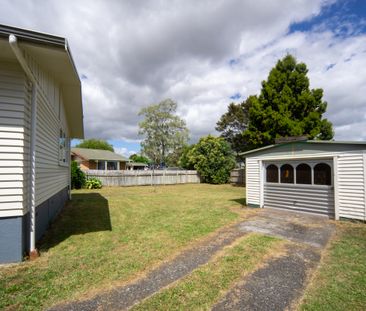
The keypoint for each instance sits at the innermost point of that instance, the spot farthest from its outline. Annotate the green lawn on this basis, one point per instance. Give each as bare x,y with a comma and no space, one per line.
340,283
110,236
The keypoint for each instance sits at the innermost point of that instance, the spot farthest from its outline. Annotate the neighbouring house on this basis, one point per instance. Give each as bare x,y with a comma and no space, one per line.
40,110
135,166
321,177
96,159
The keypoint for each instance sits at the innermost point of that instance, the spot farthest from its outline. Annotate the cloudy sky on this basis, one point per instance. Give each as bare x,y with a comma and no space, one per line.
202,54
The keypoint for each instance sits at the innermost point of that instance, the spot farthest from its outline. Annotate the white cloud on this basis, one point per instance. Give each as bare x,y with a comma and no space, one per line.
124,151
135,53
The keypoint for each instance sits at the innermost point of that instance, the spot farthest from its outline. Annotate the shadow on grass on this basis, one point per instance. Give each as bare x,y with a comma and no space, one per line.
241,201
87,212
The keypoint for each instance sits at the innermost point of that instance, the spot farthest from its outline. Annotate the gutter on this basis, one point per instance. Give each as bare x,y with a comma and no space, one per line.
33,253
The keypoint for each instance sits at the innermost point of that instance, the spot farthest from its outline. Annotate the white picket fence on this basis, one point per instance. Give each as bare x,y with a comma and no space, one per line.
141,178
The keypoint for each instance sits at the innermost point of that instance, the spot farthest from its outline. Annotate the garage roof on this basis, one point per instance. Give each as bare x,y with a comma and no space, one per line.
361,144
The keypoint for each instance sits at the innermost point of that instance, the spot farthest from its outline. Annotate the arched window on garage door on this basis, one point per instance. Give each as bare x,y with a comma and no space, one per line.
272,173
287,174
322,174
303,174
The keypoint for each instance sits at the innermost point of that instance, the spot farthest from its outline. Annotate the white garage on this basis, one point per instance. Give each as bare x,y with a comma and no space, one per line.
322,177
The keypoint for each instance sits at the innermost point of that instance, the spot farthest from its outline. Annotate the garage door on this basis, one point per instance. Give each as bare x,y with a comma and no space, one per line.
301,186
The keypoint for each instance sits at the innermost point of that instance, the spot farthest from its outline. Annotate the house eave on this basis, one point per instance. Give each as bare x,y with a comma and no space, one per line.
53,54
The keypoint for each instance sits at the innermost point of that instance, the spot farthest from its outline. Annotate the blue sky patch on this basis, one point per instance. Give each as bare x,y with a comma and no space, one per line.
235,96
344,18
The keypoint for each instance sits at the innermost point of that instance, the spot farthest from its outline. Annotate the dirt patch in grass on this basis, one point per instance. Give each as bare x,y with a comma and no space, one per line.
112,236
340,282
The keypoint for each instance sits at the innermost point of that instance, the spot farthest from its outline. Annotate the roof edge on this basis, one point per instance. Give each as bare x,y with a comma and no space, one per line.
33,36
333,142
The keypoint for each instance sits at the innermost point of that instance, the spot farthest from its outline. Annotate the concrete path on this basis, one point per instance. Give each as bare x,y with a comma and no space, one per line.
281,282
274,287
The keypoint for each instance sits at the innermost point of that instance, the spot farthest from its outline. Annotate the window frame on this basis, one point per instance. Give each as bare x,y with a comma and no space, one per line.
293,174
278,174
297,174
330,172
63,148
294,163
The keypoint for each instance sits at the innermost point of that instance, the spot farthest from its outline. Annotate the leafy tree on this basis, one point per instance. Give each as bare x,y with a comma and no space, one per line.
287,107
184,158
172,158
139,158
77,176
164,131
233,123
213,158
95,144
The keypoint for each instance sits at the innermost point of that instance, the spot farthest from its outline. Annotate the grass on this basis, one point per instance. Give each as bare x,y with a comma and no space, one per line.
113,235
340,283
206,285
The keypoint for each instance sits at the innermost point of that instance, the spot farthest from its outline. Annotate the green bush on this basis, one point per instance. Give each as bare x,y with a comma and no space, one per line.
93,183
77,176
213,159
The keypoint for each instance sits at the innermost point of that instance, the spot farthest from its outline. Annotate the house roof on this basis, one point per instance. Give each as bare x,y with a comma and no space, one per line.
53,55
136,164
97,154
319,142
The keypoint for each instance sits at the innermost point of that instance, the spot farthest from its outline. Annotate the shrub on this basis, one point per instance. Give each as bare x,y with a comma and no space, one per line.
93,183
77,176
213,158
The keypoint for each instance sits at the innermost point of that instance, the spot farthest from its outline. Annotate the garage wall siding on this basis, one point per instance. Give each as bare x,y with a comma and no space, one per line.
351,186
14,140
253,182
313,199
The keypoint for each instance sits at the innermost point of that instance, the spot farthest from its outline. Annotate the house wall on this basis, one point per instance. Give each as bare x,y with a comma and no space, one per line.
14,140
52,178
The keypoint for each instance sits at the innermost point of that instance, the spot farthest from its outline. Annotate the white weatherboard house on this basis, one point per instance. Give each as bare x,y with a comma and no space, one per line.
322,177
40,110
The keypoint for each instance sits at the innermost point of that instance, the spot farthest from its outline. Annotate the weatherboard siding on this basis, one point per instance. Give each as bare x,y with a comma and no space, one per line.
14,140
15,131
253,182
51,176
351,185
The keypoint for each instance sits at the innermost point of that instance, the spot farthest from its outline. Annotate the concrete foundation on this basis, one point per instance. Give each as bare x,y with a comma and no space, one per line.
14,231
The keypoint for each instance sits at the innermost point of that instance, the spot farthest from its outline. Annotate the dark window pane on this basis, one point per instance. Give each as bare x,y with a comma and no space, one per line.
303,174
322,174
101,165
272,173
287,174
111,165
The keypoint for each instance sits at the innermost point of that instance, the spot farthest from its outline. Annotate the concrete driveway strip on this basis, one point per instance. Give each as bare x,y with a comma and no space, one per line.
281,282
275,286
124,297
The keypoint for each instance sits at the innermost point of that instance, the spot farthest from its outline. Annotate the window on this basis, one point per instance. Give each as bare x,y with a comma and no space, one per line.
287,174
272,173
322,174
63,148
112,165
101,165
303,174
